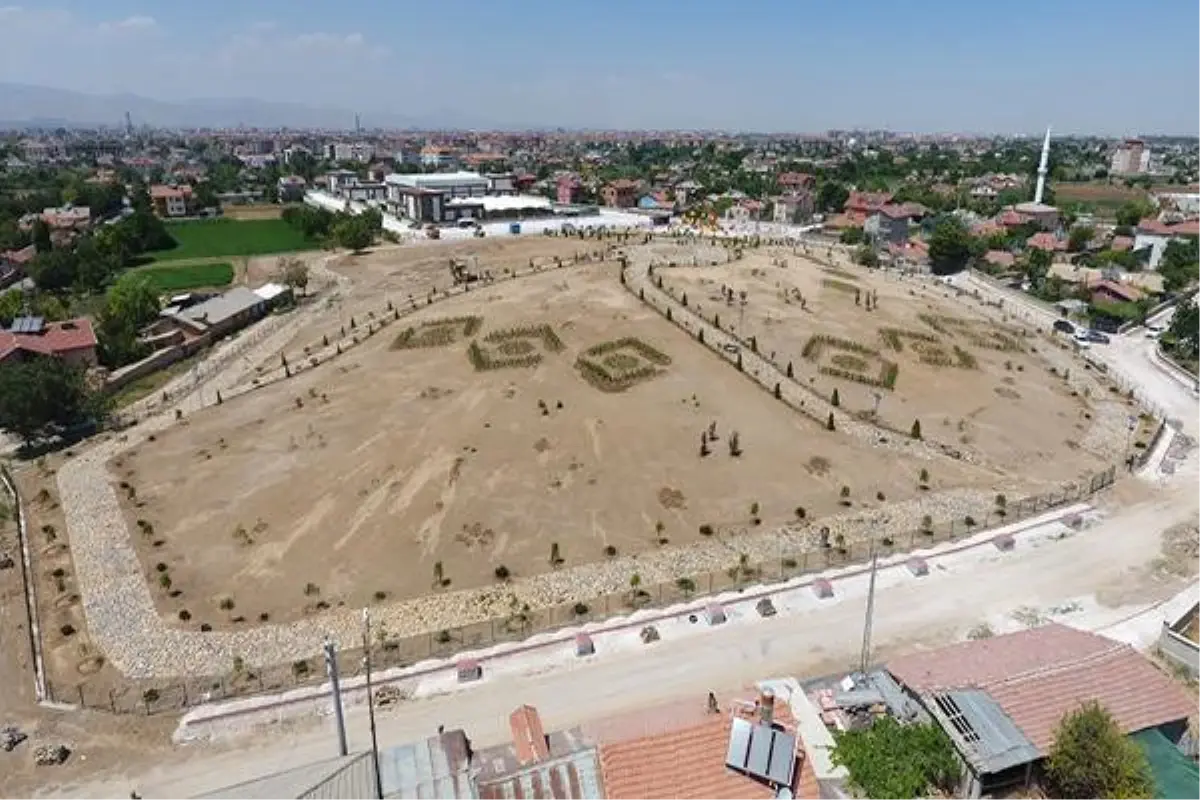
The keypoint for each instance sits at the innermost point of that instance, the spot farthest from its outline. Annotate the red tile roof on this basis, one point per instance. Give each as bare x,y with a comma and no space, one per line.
1189,227
864,202
162,191
20,257
58,338
1121,243
1011,219
999,257
1045,241
796,179
1153,227
1127,293
689,762
1039,675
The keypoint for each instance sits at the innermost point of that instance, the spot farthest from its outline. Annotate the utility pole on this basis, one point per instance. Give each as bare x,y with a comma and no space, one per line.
331,669
371,702
866,645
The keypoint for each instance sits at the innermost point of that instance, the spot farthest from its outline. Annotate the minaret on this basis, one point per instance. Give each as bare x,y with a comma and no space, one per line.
1042,167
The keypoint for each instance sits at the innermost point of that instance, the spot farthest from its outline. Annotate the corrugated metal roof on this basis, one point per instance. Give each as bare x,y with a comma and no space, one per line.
981,729
575,776
438,767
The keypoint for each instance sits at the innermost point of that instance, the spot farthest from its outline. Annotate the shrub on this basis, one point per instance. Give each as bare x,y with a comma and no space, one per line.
829,422
800,512
927,525
685,585
880,496
706,530
150,696
311,589
790,374
67,629
610,551
580,609
915,432
184,615
969,521
923,479
380,595
836,400
300,668
164,580
205,627
501,572
789,563
226,604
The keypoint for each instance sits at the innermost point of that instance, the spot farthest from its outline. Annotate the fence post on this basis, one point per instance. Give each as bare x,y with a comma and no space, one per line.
82,703
112,701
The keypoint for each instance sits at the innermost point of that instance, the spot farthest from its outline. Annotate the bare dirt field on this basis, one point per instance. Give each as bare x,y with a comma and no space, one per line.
970,381
350,483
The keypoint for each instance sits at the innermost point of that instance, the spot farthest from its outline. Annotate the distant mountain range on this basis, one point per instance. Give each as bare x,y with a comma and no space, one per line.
25,106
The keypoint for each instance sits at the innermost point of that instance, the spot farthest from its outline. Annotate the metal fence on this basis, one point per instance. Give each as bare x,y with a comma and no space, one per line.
752,577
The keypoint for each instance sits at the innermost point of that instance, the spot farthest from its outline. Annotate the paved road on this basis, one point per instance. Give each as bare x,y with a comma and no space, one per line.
940,608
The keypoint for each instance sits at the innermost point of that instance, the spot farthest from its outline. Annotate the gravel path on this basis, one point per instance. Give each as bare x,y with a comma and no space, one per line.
125,625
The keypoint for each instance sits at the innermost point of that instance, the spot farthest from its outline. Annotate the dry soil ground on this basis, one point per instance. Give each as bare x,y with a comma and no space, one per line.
359,478
1002,405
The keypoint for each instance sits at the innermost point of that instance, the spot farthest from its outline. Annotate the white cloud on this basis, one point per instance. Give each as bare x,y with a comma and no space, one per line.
138,22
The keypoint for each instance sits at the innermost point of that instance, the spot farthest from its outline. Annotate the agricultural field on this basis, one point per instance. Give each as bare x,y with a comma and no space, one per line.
171,277
537,424
1105,198
229,237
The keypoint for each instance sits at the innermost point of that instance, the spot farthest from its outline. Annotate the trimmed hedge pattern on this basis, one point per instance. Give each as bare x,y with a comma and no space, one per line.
600,366
437,333
501,349
888,370
978,334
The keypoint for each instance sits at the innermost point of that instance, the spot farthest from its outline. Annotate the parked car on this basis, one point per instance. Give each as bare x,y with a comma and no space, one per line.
1096,337
1063,326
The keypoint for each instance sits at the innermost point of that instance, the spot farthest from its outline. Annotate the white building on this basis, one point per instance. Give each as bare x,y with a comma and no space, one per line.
361,152
1155,235
1132,157
425,197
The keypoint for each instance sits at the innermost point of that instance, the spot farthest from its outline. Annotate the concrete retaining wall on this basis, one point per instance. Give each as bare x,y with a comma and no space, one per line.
1177,648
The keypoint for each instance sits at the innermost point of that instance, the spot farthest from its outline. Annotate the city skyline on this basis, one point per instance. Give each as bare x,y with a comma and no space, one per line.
771,67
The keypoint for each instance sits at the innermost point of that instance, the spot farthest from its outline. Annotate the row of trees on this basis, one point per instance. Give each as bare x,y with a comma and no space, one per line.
352,231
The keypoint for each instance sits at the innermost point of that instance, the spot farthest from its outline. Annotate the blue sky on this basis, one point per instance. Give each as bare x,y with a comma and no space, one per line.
800,65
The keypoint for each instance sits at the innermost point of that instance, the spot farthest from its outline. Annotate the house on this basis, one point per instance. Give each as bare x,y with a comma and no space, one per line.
888,224
860,205
72,340
1106,291
620,193
437,157
217,316
1000,699
745,210
67,218
999,258
795,206
1046,217
795,181
687,753
290,189
171,201
1045,241
359,152
13,264
1131,157
567,189
335,179
1154,235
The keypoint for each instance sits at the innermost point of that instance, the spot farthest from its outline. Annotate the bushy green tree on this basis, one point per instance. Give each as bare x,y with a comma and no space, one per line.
950,246
129,304
43,395
1091,757
893,760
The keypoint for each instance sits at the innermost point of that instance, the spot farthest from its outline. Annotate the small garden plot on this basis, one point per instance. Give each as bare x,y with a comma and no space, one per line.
851,361
977,333
840,286
514,347
620,364
928,348
437,333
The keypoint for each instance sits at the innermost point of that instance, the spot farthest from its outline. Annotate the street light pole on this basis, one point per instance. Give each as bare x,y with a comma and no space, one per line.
335,686
366,616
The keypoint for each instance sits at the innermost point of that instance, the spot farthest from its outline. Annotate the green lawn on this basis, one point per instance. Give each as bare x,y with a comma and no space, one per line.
230,237
173,278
